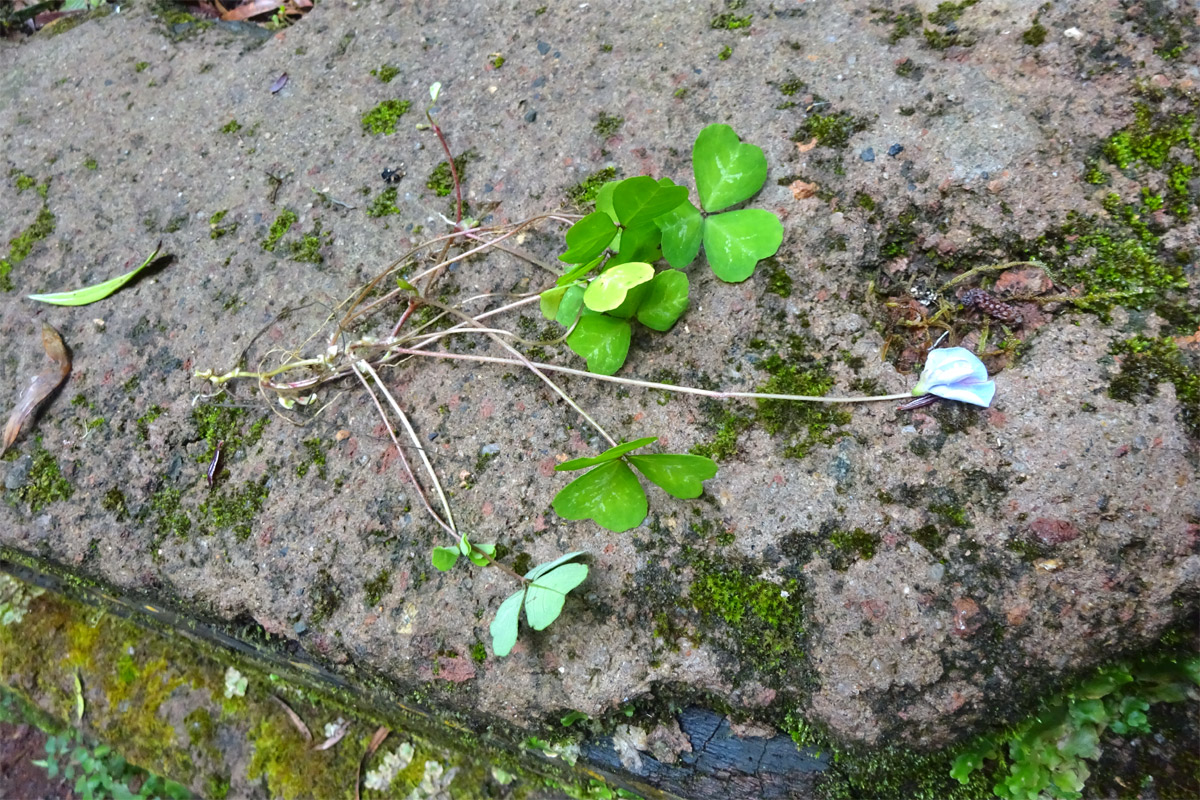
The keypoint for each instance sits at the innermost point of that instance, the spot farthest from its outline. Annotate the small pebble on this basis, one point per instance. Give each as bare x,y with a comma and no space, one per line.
543,47
895,150
868,154
490,449
530,116
299,628
18,473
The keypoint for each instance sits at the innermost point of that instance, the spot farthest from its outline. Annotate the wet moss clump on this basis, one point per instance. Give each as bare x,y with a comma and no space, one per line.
234,509
166,514
607,125
764,619
21,245
1036,35
584,192
728,21
326,597
724,443
830,130
114,501
233,126
905,22
279,228
377,587
851,546
316,458
384,117
441,180
143,422
216,423
307,250
1145,363
386,73
45,483
778,280
384,204
803,426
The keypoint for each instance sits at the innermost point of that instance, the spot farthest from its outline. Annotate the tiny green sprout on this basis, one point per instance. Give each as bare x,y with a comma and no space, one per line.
444,558
610,493
543,595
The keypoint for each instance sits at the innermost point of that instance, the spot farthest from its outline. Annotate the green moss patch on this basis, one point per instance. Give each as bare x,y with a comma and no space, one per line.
584,192
279,228
384,117
45,483
1146,363
21,245
831,130
760,619
441,180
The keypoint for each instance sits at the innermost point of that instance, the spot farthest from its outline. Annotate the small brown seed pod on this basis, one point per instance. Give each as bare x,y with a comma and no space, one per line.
978,298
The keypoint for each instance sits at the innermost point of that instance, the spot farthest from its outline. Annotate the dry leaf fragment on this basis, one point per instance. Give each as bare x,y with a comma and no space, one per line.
802,190
804,147
338,733
40,386
381,733
297,723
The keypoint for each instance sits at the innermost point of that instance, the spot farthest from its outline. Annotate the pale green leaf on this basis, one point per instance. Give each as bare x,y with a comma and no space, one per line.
90,294
569,308
477,559
549,301
542,569
444,558
504,626
607,290
544,599
682,233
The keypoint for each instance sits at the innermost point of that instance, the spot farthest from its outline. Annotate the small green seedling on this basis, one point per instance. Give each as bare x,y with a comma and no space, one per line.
611,494
90,294
542,597
444,558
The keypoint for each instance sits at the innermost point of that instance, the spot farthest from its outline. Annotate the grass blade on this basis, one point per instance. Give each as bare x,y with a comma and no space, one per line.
90,294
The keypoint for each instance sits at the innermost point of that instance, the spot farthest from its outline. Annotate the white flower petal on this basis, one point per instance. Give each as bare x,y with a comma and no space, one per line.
955,373
978,394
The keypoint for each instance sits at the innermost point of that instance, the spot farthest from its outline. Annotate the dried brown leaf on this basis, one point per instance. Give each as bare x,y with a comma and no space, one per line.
381,733
251,9
295,718
40,386
337,737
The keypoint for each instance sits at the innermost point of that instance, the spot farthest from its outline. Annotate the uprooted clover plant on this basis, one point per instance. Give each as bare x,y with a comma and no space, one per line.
638,222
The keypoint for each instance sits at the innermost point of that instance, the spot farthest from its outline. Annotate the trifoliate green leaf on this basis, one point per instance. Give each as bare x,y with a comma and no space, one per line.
637,201
682,233
602,340
544,599
727,170
607,290
665,300
679,475
588,237
736,241
610,494
610,454
504,626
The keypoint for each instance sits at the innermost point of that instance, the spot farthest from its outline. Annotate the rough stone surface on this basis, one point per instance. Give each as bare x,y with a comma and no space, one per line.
919,644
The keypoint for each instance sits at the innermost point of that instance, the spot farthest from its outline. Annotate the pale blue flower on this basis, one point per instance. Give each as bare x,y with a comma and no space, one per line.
955,373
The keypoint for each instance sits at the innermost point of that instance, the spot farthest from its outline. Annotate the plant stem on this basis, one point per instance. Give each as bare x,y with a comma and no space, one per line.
400,450
666,387
412,434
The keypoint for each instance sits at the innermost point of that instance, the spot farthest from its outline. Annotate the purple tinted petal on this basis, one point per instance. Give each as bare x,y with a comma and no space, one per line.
279,83
975,393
